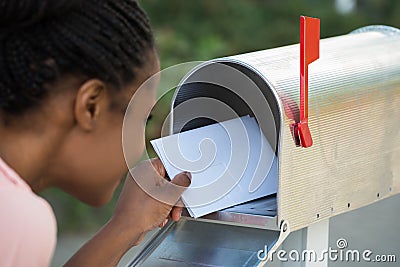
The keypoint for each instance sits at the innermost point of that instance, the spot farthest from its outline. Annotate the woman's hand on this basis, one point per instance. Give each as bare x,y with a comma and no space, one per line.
148,199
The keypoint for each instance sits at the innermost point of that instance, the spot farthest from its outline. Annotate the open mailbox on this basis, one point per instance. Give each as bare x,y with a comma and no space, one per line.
354,115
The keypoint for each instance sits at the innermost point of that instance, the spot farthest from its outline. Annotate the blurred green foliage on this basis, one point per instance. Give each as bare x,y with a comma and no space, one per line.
190,30
199,30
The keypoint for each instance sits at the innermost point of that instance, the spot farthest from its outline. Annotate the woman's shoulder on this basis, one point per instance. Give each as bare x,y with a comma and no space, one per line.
24,204
28,227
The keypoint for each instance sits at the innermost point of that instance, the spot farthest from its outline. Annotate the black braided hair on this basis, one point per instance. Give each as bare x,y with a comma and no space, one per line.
40,40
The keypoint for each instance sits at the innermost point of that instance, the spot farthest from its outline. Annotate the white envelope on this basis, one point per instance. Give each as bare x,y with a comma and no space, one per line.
231,163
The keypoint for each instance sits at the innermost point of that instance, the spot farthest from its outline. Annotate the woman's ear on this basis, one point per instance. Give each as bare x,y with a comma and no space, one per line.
89,103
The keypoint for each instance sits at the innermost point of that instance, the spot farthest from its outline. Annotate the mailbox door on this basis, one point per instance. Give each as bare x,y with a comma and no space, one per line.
196,243
216,92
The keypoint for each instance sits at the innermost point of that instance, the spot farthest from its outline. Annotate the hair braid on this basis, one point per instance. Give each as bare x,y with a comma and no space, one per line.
42,40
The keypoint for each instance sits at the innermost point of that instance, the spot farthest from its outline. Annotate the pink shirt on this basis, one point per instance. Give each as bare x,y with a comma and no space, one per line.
28,226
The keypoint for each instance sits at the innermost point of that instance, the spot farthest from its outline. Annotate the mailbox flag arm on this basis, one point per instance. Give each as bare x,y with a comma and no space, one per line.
309,52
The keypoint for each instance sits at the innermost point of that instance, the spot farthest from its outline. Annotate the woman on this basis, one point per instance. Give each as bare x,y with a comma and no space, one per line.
67,72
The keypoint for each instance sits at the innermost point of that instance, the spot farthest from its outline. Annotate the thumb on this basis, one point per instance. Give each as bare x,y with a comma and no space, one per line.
172,191
183,180
178,185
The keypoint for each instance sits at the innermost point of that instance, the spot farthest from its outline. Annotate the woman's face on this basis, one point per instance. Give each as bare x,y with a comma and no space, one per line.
90,164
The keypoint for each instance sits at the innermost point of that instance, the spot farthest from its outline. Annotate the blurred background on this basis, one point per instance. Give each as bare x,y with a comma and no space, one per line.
191,30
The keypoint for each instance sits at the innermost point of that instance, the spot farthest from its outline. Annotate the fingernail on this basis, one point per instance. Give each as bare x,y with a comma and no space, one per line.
189,175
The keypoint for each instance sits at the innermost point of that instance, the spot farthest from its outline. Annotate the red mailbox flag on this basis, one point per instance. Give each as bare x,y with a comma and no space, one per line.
309,52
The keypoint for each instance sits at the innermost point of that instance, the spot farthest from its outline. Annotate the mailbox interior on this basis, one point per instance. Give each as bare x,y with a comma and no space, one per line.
216,80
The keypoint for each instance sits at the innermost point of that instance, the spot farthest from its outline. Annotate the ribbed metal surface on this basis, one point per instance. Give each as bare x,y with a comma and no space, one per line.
194,243
354,108
354,98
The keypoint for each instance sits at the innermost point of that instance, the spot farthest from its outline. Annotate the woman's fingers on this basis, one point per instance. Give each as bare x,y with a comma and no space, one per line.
178,185
170,192
163,223
159,167
183,179
176,213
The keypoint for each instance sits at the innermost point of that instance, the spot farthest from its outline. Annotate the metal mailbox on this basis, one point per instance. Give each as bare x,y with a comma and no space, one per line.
354,115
